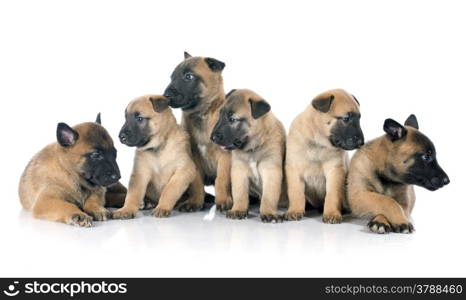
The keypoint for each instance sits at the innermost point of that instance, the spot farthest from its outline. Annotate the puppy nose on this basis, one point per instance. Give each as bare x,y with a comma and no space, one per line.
360,141
123,137
170,92
115,177
217,137
446,180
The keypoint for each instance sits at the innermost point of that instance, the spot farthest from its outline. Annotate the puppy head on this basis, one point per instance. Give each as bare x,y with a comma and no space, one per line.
412,156
144,118
89,150
338,116
240,119
194,82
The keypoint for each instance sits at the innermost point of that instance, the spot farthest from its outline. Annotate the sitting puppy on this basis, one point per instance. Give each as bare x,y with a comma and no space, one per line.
257,141
316,162
66,181
163,169
383,171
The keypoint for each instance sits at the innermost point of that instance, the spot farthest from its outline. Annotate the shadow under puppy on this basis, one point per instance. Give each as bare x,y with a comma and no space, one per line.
383,172
67,180
257,141
316,159
197,88
163,168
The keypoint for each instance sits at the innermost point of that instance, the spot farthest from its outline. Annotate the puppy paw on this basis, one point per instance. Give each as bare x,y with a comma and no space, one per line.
100,215
332,218
124,214
379,224
271,218
403,227
189,207
161,213
81,220
293,215
237,214
224,204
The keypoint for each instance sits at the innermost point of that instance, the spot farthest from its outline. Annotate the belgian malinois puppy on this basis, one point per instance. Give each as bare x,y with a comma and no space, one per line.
197,88
163,168
316,162
383,172
66,181
256,138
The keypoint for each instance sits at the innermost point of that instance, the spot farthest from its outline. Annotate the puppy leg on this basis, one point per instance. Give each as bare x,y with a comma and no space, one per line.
374,204
240,188
115,195
172,191
51,206
136,192
196,193
334,193
272,175
223,198
94,206
295,186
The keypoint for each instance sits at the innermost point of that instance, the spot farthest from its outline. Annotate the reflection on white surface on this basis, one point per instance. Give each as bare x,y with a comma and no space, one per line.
189,244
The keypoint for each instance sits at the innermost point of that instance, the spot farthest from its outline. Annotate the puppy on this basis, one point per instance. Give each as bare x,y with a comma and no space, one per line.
67,180
383,172
316,162
257,141
197,88
163,168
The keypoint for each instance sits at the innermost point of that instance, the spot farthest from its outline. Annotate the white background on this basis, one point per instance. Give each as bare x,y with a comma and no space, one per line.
66,61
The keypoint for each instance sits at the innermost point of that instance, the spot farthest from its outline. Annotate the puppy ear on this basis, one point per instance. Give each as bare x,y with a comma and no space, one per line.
259,108
159,103
187,55
394,129
214,64
98,120
230,92
412,121
356,100
323,103
66,136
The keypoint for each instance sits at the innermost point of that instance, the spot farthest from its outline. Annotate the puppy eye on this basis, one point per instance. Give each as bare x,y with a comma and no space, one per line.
232,120
96,156
140,119
345,119
188,76
427,157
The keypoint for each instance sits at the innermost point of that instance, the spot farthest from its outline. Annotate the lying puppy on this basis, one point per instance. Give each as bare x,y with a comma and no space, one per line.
382,174
163,168
316,162
257,141
66,181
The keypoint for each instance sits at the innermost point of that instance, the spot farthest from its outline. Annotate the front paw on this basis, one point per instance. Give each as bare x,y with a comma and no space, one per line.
223,203
124,213
189,207
271,218
237,214
80,219
403,227
100,215
332,218
159,212
293,215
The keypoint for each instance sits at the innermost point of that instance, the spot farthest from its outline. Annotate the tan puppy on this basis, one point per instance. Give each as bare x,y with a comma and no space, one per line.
66,181
316,161
197,88
257,141
163,168
382,174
